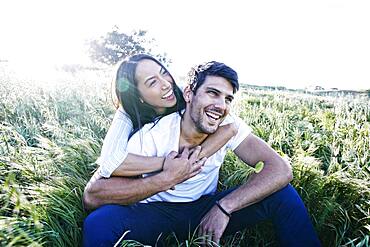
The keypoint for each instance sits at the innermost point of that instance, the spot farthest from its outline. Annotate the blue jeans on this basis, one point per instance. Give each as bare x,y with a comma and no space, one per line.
150,223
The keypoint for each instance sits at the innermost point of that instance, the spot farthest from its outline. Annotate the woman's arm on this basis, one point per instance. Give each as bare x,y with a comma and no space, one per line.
217,140
177,168
135,165
113,151
116,161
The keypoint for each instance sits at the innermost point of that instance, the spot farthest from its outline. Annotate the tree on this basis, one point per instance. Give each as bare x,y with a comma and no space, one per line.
115,46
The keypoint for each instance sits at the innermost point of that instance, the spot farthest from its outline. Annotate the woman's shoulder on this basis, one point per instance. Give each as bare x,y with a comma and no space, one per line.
122,115
121,112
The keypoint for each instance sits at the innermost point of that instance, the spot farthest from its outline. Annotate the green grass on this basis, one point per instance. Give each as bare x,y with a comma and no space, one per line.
49,140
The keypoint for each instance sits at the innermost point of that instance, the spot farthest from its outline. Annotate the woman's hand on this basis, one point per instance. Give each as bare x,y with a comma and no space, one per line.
179,167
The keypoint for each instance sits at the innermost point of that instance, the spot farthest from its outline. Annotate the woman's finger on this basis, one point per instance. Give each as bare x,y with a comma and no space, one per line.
185,153
194,173
194,156
202,161
172,155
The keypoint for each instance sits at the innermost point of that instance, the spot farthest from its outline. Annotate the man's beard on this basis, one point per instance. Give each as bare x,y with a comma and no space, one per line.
200,122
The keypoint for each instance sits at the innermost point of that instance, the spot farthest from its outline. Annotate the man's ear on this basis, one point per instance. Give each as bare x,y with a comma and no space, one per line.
188,94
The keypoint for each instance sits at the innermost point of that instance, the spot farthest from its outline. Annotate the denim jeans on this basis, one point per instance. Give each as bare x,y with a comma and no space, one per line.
150,223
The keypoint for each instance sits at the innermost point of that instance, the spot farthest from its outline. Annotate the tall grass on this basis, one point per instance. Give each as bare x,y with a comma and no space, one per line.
50,138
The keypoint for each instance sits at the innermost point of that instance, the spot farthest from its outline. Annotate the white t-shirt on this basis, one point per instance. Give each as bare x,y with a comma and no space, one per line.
163,137
114,152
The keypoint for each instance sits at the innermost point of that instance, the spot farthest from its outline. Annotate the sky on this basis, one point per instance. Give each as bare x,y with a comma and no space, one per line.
290,43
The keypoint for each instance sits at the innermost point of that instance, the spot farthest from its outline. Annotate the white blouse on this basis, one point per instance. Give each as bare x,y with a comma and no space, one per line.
114,152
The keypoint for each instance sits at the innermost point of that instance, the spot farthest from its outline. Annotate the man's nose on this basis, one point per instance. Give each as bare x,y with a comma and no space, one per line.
221,104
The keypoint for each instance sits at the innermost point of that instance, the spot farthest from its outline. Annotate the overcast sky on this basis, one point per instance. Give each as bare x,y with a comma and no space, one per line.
291,43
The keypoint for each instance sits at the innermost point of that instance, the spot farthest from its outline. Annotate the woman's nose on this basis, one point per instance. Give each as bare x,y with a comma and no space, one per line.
165,84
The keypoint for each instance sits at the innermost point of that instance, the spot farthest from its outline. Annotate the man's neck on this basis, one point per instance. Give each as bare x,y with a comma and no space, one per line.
189,135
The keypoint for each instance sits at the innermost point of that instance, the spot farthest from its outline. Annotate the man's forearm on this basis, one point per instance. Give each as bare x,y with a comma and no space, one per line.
257,187
121,190
272,178
276,174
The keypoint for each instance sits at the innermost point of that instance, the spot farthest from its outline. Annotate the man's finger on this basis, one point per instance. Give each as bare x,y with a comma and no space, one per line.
216,238
209,236
200,235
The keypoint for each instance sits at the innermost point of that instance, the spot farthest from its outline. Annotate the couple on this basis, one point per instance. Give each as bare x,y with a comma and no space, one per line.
177,156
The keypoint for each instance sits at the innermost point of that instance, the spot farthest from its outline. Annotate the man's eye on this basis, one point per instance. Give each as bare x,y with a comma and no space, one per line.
212,93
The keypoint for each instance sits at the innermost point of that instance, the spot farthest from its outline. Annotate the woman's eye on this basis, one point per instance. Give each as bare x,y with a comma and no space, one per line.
152,83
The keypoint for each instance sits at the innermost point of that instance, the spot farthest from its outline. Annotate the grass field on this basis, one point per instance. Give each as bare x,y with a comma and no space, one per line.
50,138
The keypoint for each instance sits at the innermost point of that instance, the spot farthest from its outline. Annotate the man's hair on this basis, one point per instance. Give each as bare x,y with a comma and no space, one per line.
198,74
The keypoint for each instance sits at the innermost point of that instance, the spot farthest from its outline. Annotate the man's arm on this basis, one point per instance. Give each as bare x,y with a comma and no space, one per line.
120,190
276,174
135,165
123,190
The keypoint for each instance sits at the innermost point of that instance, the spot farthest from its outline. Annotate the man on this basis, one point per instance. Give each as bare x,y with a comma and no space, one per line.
184,199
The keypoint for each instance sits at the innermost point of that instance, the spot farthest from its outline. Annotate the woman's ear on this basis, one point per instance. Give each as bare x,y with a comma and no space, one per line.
187,94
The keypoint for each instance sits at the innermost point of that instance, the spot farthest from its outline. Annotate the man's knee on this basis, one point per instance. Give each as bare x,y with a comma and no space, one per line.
99,228
291,218
287,198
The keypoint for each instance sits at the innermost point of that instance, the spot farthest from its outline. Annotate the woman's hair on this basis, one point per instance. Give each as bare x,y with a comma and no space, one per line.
129,96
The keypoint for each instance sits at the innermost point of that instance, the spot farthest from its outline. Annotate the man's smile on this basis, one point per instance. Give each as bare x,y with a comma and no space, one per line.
213,115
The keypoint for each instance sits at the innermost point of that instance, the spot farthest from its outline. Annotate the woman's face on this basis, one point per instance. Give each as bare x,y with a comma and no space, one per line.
155,85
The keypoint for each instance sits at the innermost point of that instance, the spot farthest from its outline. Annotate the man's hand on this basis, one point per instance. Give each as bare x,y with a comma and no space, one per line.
213,225
180,167
124,191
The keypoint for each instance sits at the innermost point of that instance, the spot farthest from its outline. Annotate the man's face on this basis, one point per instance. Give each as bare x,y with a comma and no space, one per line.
211,103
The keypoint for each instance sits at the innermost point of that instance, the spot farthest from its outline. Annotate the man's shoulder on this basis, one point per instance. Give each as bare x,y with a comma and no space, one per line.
166,122
232,118
156,138
162,125
243,131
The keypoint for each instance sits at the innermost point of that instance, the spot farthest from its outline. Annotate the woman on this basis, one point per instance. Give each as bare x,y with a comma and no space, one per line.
146,91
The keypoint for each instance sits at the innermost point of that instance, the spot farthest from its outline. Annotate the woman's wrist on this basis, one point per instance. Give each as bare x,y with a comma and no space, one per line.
232,128
162,161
